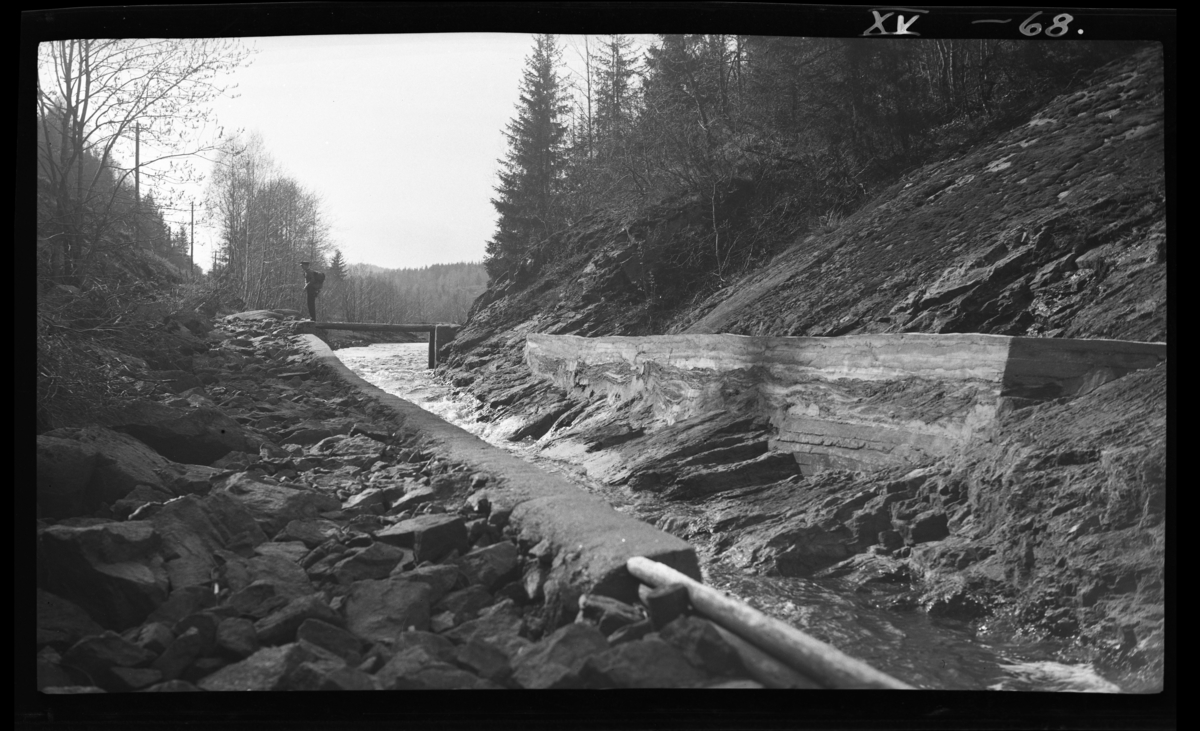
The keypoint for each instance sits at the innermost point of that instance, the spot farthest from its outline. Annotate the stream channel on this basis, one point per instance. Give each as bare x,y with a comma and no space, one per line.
911,646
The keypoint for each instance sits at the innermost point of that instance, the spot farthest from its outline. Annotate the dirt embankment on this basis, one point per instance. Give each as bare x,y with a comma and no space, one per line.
1056,228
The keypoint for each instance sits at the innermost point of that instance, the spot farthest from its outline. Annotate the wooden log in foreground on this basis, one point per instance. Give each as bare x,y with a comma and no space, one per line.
811,657
764,668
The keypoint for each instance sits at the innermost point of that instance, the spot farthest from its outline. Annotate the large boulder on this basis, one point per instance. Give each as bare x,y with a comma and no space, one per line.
274,506
64,469
280,626
648,663
285,577
122,462
380,610
267,669
492,565
376,561
61,623
193,528
112,570
555,661
702,645
193,436
430,536
103,656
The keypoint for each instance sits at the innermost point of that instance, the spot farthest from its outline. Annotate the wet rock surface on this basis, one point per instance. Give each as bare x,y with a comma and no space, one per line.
325,550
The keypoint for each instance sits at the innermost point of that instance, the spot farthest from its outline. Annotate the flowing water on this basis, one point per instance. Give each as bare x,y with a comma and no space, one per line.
911,646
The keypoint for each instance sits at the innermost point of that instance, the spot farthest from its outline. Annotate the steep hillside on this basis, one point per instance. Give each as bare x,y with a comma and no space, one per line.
1056,228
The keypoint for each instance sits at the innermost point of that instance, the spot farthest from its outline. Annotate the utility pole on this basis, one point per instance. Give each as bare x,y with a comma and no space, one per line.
192,250
137,183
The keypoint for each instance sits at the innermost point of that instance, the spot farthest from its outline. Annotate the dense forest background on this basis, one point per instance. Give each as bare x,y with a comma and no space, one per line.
758,139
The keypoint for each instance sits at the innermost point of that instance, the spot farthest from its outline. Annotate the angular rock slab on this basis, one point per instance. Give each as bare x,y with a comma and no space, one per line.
441,578
285,577
380,610
188,479
267,669
702,645
193,436
122,462
64,470
376,561
112,570
597,541
554,662
332,638
236,636
62,623
100,654
274,506
492,565
193,528
648,663
280,626
430,536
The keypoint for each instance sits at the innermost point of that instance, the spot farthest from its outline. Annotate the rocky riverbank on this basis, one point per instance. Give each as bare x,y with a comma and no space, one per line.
254,523
1052,526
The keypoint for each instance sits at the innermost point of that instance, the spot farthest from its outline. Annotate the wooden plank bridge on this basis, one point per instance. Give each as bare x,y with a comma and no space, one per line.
439,333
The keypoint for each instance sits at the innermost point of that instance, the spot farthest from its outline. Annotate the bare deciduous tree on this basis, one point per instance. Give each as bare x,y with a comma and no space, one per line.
93,96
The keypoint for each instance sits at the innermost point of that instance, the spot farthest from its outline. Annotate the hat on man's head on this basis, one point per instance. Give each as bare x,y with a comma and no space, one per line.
304,263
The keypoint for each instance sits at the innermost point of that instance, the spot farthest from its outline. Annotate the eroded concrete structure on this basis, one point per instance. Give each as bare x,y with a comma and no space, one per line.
858,401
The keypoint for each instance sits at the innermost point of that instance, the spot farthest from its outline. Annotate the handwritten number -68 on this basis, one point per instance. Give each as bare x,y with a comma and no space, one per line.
1056,29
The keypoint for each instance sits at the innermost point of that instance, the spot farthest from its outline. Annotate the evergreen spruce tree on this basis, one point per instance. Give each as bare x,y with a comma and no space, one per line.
337,265
531,174
614,100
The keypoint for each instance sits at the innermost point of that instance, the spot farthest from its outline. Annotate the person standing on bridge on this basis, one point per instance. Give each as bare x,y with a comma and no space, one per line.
313,280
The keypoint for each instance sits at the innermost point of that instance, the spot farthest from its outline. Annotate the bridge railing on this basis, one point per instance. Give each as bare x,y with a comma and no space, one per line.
439,333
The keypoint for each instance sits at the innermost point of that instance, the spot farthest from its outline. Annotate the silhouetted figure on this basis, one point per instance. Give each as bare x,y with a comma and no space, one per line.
313,281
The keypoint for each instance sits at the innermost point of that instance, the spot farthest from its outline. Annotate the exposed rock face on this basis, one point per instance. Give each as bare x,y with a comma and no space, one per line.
1056,228
852,402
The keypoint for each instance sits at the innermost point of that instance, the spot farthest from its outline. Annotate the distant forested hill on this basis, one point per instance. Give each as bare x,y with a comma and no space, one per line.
368,293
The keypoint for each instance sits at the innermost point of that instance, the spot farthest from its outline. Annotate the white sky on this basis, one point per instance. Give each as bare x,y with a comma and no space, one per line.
398,134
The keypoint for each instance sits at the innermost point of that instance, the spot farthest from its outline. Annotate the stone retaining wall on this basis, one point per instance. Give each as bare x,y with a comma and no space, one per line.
860,401
597,539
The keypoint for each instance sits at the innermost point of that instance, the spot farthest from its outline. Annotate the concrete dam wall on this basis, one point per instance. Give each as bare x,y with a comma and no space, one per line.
853,402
